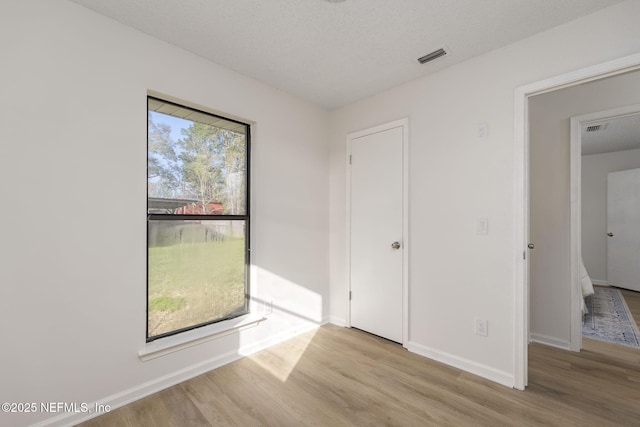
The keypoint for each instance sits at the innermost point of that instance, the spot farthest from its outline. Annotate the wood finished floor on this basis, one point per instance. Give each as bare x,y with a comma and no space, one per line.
633,302
344,377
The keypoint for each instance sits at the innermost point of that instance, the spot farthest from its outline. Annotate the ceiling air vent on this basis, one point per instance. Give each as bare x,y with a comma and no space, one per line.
431,56
596,128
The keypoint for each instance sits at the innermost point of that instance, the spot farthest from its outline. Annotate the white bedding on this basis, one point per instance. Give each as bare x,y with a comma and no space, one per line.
587,285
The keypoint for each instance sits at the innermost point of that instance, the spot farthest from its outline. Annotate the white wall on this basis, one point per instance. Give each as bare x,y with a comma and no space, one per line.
549,123
455,178
73,87
595,168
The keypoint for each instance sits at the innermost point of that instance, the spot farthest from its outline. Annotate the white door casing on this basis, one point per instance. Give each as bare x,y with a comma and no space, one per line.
377,230
623,228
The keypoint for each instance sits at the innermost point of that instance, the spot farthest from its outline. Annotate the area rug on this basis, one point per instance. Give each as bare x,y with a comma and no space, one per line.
609,318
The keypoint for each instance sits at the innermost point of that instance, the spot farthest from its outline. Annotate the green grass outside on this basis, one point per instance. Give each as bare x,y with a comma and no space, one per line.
192,283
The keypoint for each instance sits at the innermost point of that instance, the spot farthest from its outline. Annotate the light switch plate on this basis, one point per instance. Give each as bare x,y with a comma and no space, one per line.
483,131
482,226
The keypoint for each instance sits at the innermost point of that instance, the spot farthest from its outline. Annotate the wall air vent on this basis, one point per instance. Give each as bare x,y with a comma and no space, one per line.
431,56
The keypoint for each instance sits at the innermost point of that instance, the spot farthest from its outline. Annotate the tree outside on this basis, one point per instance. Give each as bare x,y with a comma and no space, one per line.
207,164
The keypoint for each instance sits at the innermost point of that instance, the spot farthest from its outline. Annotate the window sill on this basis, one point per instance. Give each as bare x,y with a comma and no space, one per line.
164,346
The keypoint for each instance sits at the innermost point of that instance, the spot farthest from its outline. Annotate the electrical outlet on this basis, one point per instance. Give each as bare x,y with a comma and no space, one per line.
267,307
481,327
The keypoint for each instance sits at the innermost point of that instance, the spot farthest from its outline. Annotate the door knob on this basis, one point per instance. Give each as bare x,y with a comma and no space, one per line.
610,234
530,246
395,245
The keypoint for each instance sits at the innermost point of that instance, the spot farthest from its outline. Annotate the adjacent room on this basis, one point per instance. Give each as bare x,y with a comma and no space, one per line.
308,213
579,136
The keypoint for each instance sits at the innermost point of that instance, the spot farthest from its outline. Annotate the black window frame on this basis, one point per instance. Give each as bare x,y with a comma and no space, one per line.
204,217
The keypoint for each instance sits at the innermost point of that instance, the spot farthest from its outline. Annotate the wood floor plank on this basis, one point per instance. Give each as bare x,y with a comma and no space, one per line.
344,377
632,299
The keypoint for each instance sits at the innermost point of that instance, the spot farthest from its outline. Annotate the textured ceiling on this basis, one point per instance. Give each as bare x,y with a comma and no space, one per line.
334,53
616,134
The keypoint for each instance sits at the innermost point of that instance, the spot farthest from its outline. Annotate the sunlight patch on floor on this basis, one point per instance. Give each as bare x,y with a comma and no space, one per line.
281,360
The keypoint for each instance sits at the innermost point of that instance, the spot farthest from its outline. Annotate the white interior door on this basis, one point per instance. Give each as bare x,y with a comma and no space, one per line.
376,233
623,222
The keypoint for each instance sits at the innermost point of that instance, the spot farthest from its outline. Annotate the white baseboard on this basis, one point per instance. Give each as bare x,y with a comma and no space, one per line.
550,341
600,282
337,321
143,390
278,338
484,371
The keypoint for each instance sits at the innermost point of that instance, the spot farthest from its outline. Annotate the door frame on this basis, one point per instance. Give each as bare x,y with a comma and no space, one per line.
404,124
521,193
577,123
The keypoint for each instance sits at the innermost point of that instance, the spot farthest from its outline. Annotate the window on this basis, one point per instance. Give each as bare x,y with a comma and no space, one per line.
197,218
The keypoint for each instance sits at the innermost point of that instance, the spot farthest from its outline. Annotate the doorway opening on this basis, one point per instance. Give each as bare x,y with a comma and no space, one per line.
522,194
608,141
